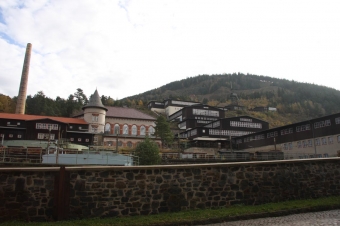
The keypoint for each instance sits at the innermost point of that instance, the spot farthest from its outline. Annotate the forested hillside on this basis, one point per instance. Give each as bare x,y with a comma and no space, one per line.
295,101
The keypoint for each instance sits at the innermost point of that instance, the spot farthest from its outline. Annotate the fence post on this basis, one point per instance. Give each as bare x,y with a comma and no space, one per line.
61,194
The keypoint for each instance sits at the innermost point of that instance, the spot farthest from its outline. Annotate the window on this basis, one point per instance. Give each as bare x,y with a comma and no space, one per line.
317,142
142,130
125,129
330,140
299,144
290,146
87,140
71,127
310,144
71,139
134,130
304,144
46,126
94,118
107,128
44,136
151,130
285,146
10,135
94,128
338,138
120,143
117,129
19,135
79,139
129,144
324,141
337,120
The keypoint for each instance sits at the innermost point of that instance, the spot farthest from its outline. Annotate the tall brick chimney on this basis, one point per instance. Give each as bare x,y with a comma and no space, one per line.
21,101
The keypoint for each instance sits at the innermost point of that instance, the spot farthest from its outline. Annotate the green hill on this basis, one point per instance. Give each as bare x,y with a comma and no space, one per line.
295,101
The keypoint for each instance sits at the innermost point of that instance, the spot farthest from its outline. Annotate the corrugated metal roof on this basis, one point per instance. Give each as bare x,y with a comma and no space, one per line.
39,117
123,112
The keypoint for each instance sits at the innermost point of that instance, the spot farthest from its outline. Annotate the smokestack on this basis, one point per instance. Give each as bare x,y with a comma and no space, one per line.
21,102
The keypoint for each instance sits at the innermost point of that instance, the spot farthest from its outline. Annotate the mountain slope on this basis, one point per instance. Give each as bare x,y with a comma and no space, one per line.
298,101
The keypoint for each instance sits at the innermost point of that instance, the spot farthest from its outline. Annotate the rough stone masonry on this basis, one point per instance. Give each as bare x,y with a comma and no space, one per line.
141,190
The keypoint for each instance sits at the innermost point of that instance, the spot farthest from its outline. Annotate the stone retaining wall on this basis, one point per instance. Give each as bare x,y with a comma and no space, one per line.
117,191
26,195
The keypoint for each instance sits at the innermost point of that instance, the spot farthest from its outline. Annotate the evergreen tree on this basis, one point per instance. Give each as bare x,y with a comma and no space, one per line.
148,152
163,131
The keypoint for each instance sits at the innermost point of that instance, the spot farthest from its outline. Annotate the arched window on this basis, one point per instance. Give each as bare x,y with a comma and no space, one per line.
107,128
151,130
117,129
125,129
142,130
129,144
134,130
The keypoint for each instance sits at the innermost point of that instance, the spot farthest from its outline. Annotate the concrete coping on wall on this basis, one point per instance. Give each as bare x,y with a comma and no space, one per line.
150,167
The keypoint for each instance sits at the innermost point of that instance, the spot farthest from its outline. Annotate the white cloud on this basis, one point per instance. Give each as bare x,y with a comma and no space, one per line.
128,47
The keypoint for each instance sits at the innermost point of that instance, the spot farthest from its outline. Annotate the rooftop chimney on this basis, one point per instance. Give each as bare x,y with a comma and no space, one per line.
21,101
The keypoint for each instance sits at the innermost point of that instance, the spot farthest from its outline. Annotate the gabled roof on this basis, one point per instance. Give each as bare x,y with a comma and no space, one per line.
95,102
123,112
40,117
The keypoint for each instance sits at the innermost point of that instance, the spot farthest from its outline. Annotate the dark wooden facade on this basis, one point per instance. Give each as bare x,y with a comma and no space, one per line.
27,127
305,134
219,132
196,116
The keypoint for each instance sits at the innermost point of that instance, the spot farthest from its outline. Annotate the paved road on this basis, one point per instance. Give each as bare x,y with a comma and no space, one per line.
324,218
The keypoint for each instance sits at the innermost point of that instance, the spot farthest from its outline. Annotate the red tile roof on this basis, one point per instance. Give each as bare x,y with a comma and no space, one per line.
37,117
123,112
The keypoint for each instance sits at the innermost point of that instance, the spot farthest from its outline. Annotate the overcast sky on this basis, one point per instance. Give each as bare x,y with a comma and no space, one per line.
124,48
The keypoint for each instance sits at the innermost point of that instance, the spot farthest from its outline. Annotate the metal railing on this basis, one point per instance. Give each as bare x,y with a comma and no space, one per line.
63,156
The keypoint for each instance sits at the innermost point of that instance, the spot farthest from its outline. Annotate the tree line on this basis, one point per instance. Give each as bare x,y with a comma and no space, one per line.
40,104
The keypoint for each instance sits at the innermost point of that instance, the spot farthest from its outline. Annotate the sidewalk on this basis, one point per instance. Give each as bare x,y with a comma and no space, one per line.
322,218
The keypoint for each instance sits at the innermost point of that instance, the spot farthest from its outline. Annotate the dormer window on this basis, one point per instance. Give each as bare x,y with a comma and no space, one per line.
71,127
8,123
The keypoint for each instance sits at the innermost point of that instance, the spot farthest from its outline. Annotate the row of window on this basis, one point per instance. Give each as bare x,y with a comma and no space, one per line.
309,143
9,123
10,136
205,112
44,136
303,128
246,124
79,139
272,134
116,129
228,132
322,124
205,118
121,144
46,126
286,131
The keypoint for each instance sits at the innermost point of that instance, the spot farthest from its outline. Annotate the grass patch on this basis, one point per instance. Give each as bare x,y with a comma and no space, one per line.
191,215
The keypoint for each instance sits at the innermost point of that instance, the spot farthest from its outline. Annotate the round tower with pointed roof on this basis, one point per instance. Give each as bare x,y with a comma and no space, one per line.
94,114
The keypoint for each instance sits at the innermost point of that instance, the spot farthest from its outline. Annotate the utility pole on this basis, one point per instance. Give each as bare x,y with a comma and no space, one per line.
117,142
